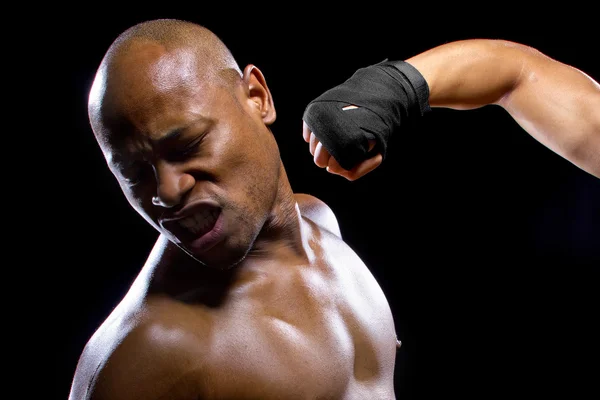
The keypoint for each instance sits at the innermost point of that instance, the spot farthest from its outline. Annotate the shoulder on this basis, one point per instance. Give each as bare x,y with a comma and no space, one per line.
319,212
137,357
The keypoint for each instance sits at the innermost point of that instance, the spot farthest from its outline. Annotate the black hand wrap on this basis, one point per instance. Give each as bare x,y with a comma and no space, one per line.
388,95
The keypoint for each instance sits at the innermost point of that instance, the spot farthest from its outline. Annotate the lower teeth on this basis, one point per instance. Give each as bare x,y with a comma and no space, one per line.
203,229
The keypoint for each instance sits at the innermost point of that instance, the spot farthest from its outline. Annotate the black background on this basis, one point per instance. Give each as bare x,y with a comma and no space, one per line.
485,242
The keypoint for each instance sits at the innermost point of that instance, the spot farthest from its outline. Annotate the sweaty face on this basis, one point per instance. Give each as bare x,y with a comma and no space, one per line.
192,154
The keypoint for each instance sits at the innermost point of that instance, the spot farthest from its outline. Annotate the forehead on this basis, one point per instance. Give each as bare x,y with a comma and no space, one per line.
152,91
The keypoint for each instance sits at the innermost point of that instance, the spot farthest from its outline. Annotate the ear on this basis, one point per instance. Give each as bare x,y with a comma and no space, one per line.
258,94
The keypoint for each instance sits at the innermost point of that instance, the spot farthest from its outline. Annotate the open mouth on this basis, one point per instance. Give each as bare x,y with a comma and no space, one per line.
200,221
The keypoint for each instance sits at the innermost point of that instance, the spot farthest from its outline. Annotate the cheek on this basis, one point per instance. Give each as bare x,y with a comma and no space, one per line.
247,154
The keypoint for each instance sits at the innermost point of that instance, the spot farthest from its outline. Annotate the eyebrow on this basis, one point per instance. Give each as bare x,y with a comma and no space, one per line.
177,132
171,135
120,157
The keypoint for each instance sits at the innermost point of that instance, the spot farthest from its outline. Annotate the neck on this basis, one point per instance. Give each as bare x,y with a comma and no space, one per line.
283,229
284,237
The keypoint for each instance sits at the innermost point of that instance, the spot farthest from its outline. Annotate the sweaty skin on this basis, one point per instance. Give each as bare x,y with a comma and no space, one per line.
274,328
276,305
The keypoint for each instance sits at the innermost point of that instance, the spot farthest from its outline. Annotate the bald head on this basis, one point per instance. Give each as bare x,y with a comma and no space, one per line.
164,55
173,35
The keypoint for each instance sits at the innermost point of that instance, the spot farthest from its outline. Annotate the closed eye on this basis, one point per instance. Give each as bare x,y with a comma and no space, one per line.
134,173
188,150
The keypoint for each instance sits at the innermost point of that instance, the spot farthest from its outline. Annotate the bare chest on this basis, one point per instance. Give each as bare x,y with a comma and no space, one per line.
303,333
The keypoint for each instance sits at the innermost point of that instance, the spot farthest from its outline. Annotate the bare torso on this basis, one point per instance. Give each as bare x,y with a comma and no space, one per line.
316,330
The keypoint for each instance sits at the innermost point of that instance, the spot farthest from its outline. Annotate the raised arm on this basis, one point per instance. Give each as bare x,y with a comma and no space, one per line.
557,104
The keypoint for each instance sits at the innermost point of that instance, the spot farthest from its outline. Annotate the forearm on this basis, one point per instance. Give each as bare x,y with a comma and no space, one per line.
555,103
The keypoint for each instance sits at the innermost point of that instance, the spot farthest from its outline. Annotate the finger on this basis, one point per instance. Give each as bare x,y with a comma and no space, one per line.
306,132
358,171
321,155
313,143
364,168
334,167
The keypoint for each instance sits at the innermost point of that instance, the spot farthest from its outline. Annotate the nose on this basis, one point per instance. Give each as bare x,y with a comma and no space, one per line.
171,185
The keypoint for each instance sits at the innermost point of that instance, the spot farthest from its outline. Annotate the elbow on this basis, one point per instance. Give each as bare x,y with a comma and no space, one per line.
592,143
594,157
582,145
585,152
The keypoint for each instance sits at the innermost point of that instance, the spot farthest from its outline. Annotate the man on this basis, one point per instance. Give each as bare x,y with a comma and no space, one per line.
250,292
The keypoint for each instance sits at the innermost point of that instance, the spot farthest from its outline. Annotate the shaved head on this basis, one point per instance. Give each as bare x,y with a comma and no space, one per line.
164,54
175,34
180,125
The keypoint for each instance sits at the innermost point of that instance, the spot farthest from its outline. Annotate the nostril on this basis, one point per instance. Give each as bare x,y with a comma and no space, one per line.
158,201
168,191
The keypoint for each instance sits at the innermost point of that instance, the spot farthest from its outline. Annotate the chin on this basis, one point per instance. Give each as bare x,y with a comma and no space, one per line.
218,259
